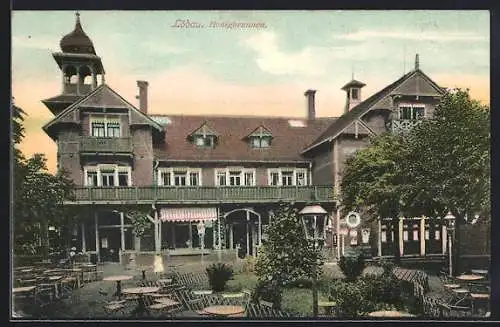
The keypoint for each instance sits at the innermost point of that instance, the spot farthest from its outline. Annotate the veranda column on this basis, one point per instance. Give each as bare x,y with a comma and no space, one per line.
84,240
219,220
260,230
122,230
401,242
248,237
213,236
157,233
422,236
96,225
231,243
379,238
337,230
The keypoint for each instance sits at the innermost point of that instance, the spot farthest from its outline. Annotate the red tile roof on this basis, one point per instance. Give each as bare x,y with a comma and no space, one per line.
287,144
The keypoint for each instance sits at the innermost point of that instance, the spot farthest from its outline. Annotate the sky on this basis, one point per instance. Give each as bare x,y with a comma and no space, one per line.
196,62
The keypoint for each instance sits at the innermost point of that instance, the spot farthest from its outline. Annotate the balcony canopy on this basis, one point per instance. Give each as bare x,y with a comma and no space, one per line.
188,214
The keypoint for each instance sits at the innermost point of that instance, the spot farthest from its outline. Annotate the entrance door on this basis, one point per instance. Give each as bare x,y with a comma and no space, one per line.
110,243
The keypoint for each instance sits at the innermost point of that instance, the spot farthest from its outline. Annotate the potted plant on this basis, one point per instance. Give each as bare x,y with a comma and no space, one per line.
218,275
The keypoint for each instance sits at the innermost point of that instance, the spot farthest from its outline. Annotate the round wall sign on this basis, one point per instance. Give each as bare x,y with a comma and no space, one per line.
353,219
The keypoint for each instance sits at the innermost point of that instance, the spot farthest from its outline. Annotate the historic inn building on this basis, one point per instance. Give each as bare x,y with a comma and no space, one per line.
228,171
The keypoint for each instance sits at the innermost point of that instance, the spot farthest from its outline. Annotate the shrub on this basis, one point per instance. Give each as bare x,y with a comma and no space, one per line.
268,291
218,275
248,264
351,298
352,266
286,255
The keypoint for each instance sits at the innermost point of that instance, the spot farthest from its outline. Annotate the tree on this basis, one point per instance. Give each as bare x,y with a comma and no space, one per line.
448,166
286,255
372,180
38,195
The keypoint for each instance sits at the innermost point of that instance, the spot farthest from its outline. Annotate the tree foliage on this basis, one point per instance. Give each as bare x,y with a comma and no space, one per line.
286,255
38,194
441,164
140,222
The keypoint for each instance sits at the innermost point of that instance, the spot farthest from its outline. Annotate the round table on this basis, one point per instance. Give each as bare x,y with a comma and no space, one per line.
224,310
118,279
392,314
469,278
327,305
140,291
479,271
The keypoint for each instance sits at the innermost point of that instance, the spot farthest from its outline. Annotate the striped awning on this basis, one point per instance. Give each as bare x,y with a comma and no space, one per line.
188,214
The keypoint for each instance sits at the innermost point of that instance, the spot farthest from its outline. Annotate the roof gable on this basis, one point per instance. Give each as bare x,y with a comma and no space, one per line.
260,131
204,130
380,99
102,97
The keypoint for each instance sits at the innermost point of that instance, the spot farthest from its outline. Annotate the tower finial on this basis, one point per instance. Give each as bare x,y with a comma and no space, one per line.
417,62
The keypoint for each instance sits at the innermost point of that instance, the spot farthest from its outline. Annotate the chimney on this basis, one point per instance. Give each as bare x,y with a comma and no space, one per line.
143,96
417,62
311,110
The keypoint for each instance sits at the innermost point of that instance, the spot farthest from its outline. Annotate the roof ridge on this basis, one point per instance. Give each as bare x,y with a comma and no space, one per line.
237,116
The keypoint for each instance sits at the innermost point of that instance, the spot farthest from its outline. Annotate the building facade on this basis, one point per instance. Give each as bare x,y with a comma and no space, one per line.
230,172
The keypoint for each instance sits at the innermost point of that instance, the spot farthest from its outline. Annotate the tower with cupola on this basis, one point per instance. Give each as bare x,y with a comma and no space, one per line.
81,69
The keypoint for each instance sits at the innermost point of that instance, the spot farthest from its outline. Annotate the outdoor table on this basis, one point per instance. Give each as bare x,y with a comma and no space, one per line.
451,286
141,308
478,297
224,310
56,280
167,301
79,275
479,271
469,278
202,292
143,270
391,314
165,280
327,305
26,270
25,289
233,295
118,279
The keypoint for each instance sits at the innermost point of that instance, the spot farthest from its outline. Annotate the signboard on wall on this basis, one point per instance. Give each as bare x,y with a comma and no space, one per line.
354,236
365,235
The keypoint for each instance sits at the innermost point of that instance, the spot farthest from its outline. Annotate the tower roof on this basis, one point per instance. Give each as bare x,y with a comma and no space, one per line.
77,41
353,83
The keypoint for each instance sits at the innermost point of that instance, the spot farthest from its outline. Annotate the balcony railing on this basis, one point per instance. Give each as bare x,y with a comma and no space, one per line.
203,194
404,125
106,144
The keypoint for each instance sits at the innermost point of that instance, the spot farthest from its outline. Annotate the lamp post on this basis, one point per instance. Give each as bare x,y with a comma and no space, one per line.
201,233
450,227
314,223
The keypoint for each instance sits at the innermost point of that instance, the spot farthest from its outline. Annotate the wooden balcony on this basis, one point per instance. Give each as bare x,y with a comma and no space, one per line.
201,194
110,145
403,125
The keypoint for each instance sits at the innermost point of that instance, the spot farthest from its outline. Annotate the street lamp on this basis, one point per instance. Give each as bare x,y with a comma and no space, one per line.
450,227
314,223
201,233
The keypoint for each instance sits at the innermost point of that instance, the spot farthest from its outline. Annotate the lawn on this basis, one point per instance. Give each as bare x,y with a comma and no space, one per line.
295,299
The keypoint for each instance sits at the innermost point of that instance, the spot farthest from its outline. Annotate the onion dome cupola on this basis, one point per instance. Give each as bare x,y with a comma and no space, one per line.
77,41
81,69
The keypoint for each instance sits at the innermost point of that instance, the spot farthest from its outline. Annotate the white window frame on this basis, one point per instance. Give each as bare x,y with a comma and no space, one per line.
105,118
99,167
172,170
412,106
242,172
287,169
383,236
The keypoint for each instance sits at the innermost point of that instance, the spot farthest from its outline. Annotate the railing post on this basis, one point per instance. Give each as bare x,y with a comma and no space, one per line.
136,193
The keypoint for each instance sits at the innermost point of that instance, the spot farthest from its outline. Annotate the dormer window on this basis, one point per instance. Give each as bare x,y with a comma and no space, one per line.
204,137
260,138
207,141
105,126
